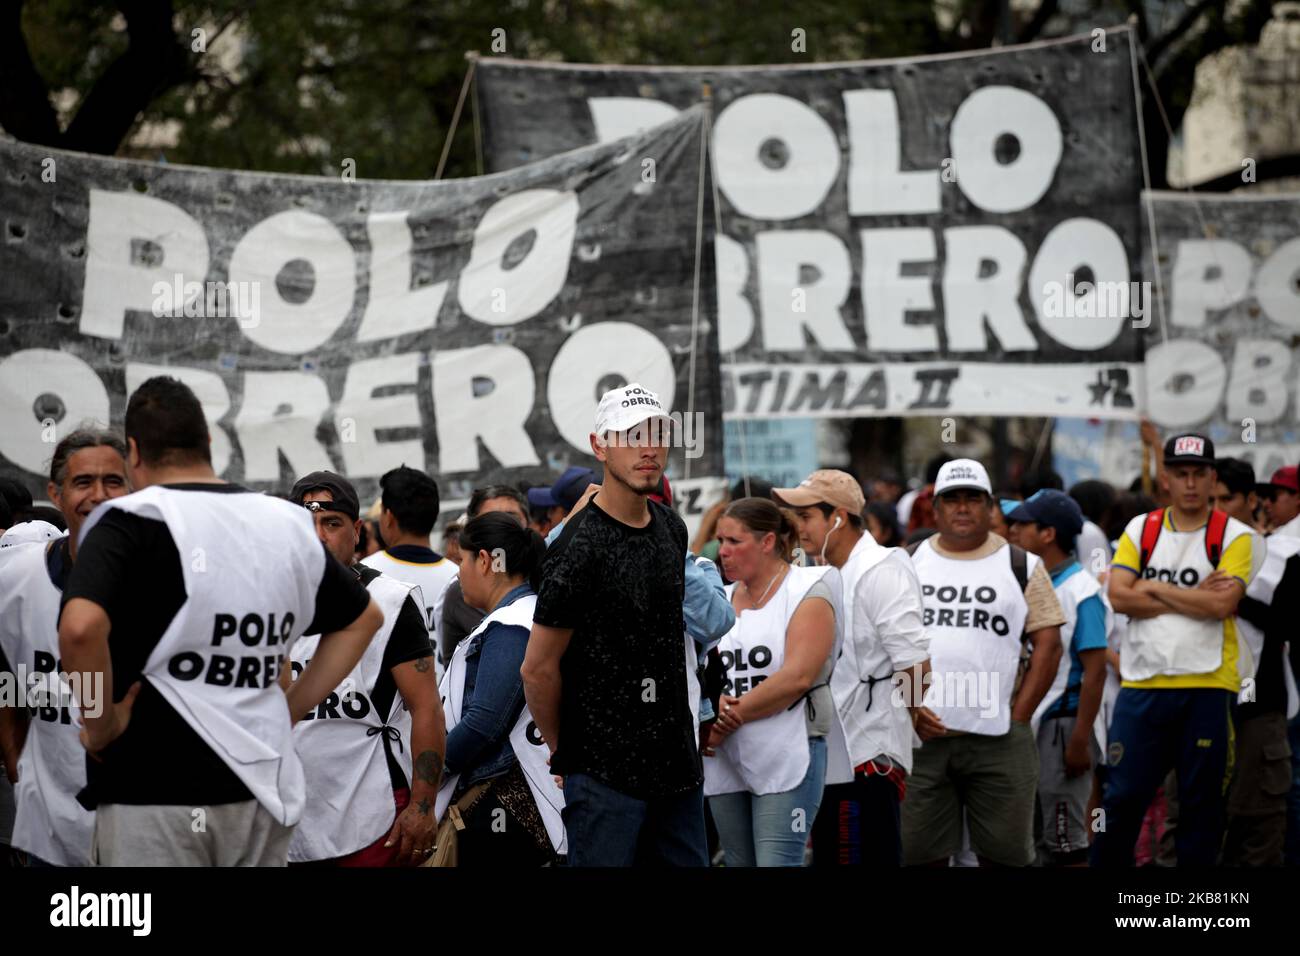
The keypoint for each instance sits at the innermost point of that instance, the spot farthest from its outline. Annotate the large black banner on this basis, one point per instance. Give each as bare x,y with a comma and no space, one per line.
1222,343
466,327
952,234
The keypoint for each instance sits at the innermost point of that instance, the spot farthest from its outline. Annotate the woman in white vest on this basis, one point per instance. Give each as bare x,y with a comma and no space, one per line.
493,747
766,759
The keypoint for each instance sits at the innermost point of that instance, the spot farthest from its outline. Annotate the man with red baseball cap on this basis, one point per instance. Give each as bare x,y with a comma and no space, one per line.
859,823
1281,497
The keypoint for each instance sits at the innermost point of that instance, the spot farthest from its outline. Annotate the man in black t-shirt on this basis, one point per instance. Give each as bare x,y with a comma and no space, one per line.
605,671
165,795
406,670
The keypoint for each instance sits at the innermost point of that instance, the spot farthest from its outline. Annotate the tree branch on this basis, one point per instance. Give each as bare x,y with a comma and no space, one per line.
25,109
153,62
1030,31
1180,27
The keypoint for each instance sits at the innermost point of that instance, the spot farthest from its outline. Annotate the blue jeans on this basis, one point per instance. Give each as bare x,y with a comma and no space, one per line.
606,827
772,829
1152,732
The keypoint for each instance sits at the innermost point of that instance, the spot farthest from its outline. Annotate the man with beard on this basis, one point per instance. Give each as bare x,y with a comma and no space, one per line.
604,674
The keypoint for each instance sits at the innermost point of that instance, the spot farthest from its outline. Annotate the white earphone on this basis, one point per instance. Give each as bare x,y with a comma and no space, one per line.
825,541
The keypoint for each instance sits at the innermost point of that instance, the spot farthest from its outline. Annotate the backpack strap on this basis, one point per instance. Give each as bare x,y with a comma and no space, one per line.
1151,529
1019,565
1214,531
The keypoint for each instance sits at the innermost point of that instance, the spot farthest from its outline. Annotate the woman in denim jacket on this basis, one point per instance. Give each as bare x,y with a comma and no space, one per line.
500,561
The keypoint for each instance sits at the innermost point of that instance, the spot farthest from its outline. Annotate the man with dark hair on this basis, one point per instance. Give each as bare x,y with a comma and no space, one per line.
859,823
88,468
1281,497
13,498
1179,574
458,618
987,604
181,605
605,673
409,505
1266,616
378,740
553,503
1048,524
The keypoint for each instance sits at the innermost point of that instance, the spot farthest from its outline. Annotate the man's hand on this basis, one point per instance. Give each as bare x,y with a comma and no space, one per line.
414,832
99,734
927,723
1078,758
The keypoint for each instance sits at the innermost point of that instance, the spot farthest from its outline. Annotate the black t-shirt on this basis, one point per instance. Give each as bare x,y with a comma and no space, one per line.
130,567
624,714
408,641
1277,621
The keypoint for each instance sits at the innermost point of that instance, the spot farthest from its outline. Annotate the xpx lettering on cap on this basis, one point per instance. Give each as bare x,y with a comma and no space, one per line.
1189,449
626,407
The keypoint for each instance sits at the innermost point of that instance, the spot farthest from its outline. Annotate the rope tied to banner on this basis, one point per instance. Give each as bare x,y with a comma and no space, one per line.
472,57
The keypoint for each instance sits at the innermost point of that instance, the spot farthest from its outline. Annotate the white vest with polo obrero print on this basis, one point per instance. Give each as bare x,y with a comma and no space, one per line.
975,613
49,822
219,661
771,755
530,749
1176,643
344,744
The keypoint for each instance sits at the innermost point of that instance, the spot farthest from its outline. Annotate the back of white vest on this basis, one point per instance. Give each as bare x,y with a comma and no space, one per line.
344,744
431,579
50,823
251,566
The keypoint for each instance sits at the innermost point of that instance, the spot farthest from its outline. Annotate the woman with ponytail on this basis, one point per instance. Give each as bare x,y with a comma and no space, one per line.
765,763
487,723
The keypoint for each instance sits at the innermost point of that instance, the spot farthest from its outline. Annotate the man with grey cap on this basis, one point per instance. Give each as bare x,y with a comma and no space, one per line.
605,674
986,603
858,823
372,751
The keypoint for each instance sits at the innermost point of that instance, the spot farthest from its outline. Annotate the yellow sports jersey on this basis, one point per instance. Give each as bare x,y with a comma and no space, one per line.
1179,557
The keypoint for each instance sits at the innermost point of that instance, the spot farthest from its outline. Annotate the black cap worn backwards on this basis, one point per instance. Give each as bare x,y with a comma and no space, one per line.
343,495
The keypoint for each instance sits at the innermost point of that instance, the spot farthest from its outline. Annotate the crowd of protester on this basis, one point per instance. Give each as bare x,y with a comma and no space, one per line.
840,673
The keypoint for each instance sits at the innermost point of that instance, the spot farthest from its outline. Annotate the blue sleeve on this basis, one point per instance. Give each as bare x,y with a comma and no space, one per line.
498,697
1089,625
554,533
708,613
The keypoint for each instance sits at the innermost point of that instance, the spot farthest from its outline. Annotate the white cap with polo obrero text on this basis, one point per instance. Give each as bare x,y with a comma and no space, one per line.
962,473
627,406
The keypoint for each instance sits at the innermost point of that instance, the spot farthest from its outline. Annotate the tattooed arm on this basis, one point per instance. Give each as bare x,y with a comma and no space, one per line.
416,827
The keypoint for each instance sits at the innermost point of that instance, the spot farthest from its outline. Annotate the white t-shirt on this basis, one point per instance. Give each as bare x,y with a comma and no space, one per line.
432,580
